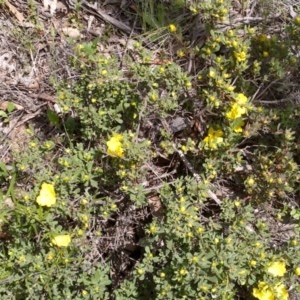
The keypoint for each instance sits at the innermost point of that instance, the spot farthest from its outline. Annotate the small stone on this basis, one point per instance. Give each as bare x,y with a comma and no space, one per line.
178,124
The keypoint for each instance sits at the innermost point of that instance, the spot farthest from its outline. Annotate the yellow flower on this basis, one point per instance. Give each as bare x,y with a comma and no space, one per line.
277,268
265,54
183,272
253,263
50,256
180,53
214,138
184,149
153,229
47,196
297,20
212,73
297,271
172,28
238,108
281,292
200,230
230,88
61,240
234,44
241,99
235,112
250,181
114,146
263,292
240,56
237,125
22,259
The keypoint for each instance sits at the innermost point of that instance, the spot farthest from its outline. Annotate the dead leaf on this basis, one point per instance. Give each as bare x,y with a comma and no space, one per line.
293,14
29,82
4,104
155,205
9,203
15,12
51,5
7,62
71,32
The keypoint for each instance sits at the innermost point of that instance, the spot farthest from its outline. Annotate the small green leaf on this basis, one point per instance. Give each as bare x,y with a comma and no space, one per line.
71,124
10,107
3,114
94,183
3,169
53,117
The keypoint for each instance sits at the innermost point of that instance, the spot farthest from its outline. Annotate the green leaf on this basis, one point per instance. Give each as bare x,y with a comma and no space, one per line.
179,3
212,279
71,124
94,183
11,188
3,169
10,107
3,114
148,19
53,117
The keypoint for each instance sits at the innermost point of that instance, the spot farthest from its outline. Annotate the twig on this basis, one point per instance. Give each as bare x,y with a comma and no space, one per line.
126,45
188,165
211,194
105,17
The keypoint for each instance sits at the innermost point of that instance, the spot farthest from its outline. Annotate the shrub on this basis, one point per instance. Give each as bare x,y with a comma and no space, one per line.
118,203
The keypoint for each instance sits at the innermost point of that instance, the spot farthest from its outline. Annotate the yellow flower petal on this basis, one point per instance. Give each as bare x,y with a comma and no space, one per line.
235,112
241,99
240,56
213,138
47,196
277,269
263,292
61,240
114,146
237,125
172,28
216,133
281,292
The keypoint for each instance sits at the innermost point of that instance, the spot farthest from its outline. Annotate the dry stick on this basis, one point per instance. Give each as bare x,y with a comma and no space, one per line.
11,128
126,45
211,194
259,93
188,165
102,15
